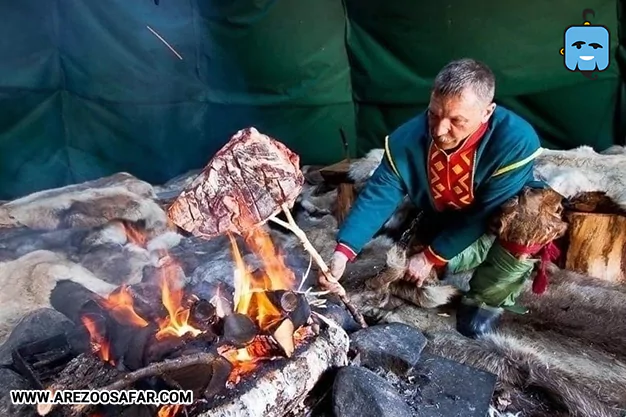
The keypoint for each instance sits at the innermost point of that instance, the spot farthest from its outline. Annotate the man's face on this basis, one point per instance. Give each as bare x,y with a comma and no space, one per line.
453,119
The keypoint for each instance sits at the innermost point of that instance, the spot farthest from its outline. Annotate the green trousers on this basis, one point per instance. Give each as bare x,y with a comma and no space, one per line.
498,277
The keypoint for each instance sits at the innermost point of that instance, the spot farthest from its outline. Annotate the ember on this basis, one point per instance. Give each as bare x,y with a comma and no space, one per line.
99,344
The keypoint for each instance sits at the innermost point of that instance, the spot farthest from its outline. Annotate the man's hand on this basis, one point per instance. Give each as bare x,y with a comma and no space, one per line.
418,269
337,267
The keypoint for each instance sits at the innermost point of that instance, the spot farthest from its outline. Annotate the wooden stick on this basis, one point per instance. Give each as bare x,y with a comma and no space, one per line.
317,258
154,369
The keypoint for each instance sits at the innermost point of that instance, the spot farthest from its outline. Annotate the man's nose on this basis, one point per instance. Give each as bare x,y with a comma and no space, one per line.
442,128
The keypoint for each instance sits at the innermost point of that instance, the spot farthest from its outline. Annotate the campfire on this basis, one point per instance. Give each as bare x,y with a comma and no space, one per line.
140,328
159,335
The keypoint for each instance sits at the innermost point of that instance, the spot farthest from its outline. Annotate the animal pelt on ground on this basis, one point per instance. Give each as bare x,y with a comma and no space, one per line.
89,204
564,358
27,282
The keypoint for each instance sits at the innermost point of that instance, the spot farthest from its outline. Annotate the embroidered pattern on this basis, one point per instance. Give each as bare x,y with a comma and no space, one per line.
451,177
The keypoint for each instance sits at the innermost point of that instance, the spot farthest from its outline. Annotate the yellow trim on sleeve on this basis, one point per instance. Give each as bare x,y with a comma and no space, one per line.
518,164
388,155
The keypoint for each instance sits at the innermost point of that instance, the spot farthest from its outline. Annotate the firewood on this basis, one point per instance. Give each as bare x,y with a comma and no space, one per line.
284,337
83,372
346,195
597,245
69,297
239,329
338,175
125,380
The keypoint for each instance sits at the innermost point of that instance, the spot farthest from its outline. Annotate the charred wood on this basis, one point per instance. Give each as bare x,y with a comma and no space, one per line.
86,371
239,330
69,297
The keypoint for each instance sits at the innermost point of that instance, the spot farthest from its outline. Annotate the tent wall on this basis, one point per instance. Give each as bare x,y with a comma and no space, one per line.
86,89
396,49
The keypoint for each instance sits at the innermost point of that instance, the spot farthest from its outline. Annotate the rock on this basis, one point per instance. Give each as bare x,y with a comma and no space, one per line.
10,380
359,392
339,315
395,346
444,388
37,325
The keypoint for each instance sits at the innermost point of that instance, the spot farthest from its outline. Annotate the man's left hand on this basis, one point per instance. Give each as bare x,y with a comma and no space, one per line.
418,269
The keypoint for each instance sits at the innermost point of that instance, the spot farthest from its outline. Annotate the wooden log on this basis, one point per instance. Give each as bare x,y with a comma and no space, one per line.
338,175
346,195
83,372
597,245
281,390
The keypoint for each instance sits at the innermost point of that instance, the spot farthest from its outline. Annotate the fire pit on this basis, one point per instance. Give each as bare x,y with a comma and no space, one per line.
255,349
252,347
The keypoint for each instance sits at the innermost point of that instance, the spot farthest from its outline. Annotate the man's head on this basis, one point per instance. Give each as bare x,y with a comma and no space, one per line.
461,100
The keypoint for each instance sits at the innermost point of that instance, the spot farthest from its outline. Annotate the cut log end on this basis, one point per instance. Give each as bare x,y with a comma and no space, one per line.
597,245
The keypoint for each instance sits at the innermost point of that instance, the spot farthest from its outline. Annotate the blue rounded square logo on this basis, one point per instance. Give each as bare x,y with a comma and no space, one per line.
586,48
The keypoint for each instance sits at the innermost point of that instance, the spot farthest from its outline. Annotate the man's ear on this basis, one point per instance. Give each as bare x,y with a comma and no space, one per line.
488,112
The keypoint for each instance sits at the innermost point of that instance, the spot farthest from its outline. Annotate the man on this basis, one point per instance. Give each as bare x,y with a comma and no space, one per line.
458,161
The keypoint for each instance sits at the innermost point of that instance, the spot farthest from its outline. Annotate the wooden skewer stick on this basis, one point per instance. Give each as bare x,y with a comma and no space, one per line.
292,226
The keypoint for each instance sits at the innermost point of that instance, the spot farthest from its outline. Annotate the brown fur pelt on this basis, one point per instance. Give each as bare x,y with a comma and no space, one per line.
389,284
534,217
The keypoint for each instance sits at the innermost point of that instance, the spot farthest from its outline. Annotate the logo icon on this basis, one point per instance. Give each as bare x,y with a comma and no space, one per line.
586,47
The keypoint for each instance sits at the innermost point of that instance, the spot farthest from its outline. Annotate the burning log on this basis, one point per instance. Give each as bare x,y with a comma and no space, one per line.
83,372
91,373
215,203
239,329
279,390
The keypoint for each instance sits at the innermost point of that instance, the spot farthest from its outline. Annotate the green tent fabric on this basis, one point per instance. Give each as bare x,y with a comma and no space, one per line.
397,48
87,89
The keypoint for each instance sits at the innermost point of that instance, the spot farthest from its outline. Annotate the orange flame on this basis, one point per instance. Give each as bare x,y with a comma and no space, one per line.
169,410
120,304
176,323
246,359
250,297
99,345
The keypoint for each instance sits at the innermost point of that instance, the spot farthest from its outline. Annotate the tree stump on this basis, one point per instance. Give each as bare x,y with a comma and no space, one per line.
597,245
337,175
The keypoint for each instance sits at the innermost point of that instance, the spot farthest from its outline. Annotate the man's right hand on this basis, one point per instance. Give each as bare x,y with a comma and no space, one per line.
337,268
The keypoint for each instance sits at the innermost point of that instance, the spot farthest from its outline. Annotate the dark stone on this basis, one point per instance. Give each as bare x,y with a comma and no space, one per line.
37,325
359,392
339,315
438,387
10,380
395,347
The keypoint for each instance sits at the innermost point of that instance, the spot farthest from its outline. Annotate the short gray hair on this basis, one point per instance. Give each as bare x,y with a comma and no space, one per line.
458,75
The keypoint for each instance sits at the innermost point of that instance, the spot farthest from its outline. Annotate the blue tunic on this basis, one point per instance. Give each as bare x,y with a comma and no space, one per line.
502,166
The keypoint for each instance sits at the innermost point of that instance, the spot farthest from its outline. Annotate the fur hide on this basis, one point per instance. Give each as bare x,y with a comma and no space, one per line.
27,282
88,204
563,358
